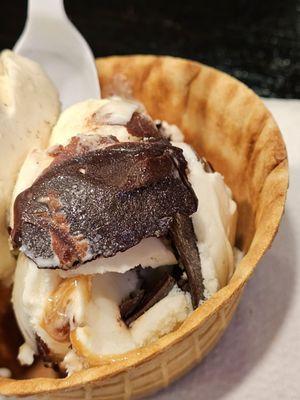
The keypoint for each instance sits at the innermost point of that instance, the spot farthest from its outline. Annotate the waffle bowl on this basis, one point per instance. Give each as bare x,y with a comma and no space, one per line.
230,126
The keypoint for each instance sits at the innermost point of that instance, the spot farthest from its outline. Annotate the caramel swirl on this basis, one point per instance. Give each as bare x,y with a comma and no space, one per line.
59,318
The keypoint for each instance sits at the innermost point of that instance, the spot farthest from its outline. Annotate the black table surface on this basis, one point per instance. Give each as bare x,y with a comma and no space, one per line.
258,41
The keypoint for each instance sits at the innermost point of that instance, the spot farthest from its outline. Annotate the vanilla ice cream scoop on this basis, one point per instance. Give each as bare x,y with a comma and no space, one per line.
122,230
29,107
91,322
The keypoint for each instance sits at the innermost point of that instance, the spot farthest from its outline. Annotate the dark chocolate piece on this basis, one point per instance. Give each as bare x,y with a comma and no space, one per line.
183,284
163,131
49,360
206,165
80,145
177,273
158,124
150,297
102,202
184,239
129,304
142,126
43,349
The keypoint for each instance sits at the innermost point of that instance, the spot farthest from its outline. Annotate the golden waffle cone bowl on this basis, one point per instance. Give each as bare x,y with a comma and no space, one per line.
228,124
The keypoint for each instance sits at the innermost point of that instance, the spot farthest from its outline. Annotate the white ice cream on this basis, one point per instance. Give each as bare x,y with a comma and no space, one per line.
151,252
95,116
97,332
100,331
31,291
107,335
214,222
29,108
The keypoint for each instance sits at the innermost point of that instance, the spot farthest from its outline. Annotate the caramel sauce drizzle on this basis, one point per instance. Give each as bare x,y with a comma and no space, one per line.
56,321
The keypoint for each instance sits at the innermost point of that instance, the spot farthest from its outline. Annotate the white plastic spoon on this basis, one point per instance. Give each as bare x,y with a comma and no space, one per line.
52,40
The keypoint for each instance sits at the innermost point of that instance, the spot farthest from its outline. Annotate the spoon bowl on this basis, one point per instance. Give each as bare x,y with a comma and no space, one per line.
51,39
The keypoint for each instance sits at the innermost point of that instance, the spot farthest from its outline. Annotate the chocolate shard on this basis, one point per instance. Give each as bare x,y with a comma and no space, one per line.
131,303
43,349
178,274
151,296
206,165
184,239
49,359
142,126
183,285
81,144
158,124
102,202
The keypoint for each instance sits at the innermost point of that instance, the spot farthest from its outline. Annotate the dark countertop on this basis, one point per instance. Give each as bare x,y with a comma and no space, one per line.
258,41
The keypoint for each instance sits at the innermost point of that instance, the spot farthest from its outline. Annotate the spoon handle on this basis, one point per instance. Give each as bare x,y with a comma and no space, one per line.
50,8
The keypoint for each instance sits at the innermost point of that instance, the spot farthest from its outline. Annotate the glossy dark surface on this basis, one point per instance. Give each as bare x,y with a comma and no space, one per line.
257,41
101,202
